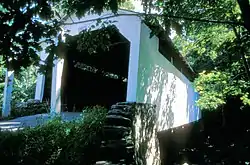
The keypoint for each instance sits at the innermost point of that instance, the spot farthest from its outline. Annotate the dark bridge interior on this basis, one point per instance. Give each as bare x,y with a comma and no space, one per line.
95,79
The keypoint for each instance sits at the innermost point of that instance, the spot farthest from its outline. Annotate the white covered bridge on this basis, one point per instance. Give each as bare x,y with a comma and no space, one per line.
149,70
153,72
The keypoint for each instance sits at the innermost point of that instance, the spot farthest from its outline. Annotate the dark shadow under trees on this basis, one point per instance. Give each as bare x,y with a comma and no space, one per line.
210,140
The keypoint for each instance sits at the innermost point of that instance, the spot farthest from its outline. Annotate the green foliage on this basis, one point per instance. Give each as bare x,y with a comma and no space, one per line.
30,109
127,5
22,30
56,142
207,35
27,23
214,50
224,71
215,87
90,40
94,6
211,49
24,85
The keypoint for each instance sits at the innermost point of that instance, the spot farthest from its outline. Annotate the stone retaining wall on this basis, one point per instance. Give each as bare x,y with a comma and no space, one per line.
129,135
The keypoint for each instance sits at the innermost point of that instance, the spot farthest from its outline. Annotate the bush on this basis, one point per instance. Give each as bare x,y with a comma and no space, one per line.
56,142
30,109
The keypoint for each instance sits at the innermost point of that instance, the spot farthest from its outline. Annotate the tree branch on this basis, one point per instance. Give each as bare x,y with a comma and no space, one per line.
159,15
231,80
2,63
242,53
44,41
58,15
245,12
117,43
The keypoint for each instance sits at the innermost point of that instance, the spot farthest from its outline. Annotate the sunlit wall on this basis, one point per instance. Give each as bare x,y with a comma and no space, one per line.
160,83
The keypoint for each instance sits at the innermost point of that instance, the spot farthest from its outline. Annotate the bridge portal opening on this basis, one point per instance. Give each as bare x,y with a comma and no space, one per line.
98,78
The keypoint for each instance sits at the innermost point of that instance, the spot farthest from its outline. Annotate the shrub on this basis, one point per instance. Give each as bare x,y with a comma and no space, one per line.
56,142
30,109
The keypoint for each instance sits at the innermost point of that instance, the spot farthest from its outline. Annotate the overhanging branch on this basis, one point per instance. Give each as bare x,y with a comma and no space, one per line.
242,53
245,12
159,15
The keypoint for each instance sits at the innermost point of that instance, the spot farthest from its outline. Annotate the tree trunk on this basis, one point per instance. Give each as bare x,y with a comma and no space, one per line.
223,117
242,54
245,12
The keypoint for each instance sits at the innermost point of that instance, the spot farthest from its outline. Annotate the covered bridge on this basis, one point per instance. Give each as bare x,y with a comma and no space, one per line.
136,68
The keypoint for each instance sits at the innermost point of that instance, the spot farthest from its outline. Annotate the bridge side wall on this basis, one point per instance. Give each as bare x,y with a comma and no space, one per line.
160,83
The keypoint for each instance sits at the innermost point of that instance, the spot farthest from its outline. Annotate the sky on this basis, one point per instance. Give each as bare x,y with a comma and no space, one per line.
139,8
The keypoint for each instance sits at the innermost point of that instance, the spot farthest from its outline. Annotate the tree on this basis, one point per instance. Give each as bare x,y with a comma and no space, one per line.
22,30
245,12
210,32
27,23
214,37
218,51
127,5
25,84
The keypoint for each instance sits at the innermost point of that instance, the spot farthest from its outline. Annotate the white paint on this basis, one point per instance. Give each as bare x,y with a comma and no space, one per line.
150,83
55,104
138,5
131,32
40,81
8,87
56,84
56,87
161,84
